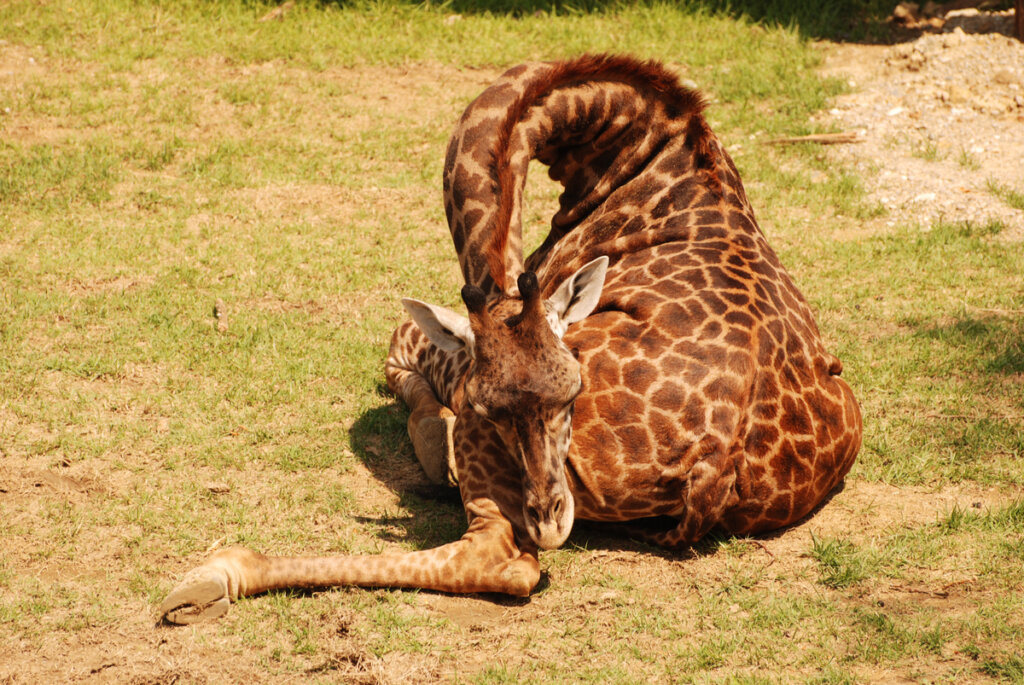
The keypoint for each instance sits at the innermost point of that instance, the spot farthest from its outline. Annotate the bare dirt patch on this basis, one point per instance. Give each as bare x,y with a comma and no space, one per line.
941,119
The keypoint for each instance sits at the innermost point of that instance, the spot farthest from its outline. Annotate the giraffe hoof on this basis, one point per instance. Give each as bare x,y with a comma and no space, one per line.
201,595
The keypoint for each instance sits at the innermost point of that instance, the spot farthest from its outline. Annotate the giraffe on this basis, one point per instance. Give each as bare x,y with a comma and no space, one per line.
652,358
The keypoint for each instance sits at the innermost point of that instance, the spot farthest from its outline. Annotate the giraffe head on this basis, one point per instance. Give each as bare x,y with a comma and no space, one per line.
524,380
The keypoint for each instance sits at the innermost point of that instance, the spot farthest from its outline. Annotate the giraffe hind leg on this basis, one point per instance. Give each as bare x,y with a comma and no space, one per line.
709,495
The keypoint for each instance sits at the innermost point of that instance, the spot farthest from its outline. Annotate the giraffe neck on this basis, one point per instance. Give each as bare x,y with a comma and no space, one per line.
597,122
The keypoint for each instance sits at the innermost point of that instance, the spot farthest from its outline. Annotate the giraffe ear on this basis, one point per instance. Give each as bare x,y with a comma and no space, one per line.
577,296
444,328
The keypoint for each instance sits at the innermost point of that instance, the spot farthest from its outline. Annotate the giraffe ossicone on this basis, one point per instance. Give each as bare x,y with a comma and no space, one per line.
652,358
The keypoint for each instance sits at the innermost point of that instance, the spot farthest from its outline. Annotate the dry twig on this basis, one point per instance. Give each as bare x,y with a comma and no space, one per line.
820,138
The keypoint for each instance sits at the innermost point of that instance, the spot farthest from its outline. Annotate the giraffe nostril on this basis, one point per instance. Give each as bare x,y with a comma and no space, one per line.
556,510
532,513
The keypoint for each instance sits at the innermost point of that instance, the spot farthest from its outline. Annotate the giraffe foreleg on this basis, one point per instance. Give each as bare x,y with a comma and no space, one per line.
485,559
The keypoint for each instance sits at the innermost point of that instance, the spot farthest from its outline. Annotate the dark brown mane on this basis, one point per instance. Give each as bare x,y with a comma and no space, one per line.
649,78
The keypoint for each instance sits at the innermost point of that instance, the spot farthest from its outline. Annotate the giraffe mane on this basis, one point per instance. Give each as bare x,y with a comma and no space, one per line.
648,77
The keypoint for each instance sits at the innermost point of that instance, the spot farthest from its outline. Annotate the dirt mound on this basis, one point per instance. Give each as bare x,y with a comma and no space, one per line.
942,124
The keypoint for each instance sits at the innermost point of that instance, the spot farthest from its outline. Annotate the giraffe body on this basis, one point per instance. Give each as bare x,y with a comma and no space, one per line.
651,358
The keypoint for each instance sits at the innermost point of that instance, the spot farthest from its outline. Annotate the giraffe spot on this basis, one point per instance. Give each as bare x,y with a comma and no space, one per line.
641,304
659,268
741,222
778,511
694,309
723,420
634,439
715,304
827,414
678,253
662,209
669,396
738,299
693,417
722,388
776,329
597,440
604,371
714,355
705,199
688,349
710,330
709,217
683,193
638,375
721,247
476,139
795,419
634,225
737,338
472,219
621,347
764,309
764,411
676,321
756,473
706,255
671,289
672,364
599,104
695,278
742,319
715,233
663,428
619,407
653,343
604,161
720,280
790,379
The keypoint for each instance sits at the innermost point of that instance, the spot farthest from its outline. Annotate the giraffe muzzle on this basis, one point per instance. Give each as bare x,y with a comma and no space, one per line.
549,518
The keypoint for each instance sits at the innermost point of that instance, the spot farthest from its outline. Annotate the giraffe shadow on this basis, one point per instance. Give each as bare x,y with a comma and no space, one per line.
432,515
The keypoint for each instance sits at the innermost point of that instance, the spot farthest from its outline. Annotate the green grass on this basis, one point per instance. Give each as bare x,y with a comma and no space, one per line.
1007,194
936,355
161,159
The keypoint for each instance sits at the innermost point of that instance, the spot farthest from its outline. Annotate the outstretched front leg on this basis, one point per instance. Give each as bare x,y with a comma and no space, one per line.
485,559
495,554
